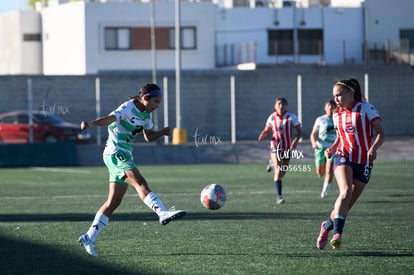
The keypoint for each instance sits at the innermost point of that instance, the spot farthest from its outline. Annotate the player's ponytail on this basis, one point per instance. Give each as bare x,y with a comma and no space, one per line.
357,88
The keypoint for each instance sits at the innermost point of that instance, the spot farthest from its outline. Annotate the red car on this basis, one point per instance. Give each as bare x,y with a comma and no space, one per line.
47,127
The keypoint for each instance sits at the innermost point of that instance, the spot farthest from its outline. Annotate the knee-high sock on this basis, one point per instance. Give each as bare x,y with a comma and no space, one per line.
153,202
97,226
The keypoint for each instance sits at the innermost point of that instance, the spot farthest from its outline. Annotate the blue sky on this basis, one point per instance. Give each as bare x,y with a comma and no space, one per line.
9,5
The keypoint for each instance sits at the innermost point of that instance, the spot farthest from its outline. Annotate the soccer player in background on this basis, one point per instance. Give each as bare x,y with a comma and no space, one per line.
124,124
322,136
355,149
282,124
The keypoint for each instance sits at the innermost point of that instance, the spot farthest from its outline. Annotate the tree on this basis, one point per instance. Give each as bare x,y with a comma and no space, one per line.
32,3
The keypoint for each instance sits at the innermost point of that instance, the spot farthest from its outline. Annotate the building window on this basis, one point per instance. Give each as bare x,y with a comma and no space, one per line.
31,37
117,38
188,38
280,42
139,38
310,42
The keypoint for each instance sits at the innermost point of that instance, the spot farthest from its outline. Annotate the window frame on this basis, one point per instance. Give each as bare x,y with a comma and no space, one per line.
117,38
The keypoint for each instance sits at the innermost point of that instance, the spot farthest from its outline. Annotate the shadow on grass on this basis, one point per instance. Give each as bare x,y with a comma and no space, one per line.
22,257
210,215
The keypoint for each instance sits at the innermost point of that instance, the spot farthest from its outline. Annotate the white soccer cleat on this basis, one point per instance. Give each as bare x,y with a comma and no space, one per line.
170,215
324,194
87,244
280,200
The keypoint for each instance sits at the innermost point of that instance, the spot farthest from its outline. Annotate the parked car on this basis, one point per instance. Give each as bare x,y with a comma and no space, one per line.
47,127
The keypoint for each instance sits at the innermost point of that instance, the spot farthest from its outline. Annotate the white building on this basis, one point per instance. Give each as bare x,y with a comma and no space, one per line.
20,42
85,37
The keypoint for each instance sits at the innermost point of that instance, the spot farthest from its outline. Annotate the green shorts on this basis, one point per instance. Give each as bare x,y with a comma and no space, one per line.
117,164
320,158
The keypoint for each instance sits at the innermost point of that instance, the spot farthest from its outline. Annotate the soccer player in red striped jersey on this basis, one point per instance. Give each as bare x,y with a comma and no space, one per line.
354,150
282,124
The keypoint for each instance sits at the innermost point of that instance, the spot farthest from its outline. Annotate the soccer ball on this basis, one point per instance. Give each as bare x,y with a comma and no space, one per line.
213,196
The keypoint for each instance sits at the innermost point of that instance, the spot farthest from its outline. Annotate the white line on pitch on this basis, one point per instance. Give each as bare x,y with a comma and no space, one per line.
61,170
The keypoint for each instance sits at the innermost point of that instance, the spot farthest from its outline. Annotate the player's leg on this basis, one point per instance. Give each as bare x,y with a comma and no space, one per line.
136,180
116,193
320,161
343,175
321,164
277,177
117,190
281,167
328,178
357,188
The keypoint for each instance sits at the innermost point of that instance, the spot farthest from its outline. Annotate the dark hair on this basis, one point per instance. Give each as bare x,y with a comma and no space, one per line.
332,102
147,88
352,85
282,99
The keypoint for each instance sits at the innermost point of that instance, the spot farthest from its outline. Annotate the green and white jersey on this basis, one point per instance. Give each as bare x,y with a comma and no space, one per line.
326,131
130,121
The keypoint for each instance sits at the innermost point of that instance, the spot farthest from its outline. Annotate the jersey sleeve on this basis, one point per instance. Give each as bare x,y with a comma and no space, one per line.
120,112
372,113
269,121
295,120
316,124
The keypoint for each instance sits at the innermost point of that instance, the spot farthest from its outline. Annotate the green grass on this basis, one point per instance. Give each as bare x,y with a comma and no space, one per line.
43,211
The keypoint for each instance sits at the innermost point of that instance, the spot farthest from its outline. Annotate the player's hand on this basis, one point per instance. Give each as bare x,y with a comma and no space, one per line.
372,154
328,153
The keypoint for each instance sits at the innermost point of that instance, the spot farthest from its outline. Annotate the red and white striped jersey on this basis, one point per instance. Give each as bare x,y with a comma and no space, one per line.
354,127
282,128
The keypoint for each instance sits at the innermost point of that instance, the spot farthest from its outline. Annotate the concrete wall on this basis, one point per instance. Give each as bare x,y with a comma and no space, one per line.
205,96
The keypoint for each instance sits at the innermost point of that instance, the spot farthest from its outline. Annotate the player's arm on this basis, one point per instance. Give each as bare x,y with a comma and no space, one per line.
379,139
297,137
102,121
313,137
151,135
329,151
267,129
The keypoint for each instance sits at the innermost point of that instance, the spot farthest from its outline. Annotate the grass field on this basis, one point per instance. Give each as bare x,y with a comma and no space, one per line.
44,210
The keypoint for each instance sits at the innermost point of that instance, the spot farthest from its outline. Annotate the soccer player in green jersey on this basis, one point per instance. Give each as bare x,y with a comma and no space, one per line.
322,136
124,124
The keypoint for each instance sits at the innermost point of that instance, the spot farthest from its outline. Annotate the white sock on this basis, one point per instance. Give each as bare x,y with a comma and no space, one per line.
326,187
97,226
153,202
